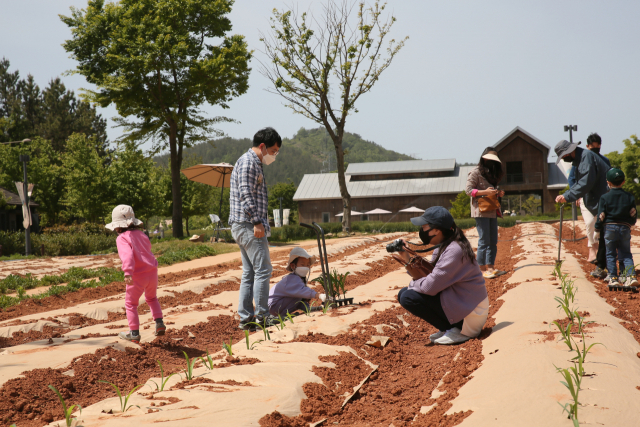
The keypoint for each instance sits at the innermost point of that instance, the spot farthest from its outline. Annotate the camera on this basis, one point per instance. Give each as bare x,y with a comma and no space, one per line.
395,246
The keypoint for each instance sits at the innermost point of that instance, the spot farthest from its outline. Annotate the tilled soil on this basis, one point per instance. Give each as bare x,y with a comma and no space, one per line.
626,305
410,368
27,401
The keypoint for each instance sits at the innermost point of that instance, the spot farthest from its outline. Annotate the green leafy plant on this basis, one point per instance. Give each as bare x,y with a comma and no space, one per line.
335,283
281,323
227,347
123,400
572,380
253,344
163,380
566,333
188,372
67,411
208,362
581,356
326,307
267,336
290,317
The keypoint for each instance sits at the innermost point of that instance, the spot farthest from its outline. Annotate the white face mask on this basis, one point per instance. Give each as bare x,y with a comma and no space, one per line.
267,159
302,271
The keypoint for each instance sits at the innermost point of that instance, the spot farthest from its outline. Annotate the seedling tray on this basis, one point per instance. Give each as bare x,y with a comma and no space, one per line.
623,288
344,301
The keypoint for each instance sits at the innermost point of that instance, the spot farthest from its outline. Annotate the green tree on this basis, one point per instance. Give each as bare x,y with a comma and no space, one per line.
135,181
629,162
286,190
323,71
196,197
154,59
532,205
461,206
86,179
44,170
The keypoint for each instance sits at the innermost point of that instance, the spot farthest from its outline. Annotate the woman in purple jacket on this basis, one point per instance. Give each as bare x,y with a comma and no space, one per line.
453,298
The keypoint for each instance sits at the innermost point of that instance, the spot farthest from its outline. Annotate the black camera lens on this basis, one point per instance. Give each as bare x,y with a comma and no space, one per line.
395,246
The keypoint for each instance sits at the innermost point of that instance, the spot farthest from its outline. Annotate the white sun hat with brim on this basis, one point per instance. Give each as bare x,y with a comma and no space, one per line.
122,217
491,156
300,253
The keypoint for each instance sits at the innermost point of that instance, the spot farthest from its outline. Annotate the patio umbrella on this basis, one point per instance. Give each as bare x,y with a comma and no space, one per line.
218,175
412,209
377,211
352,213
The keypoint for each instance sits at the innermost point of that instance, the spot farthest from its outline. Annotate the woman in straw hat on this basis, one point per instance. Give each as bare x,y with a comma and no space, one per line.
140,270
482,182
292,293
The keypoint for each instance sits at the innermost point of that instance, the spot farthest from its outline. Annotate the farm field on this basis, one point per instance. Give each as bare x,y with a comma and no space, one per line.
364,364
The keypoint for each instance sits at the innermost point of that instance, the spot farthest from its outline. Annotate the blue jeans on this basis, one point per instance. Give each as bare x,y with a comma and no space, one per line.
256,271
617,238
488,240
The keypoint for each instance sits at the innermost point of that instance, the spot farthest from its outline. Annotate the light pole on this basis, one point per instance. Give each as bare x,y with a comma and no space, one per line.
574,208
24,158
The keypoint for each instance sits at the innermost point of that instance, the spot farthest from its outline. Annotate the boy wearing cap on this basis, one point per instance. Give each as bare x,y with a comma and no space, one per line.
291,293
616,214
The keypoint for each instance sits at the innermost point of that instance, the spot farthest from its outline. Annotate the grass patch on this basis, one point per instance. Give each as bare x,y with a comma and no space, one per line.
175,251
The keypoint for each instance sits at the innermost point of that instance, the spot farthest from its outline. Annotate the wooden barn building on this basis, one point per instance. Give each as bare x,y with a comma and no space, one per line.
397,185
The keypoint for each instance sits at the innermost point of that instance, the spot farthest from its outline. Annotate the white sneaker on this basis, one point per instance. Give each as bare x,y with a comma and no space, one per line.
434,337
631,281
452,336
489,274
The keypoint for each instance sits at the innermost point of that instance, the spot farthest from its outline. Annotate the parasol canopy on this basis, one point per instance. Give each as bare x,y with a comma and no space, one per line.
352,213
412,209
377,211
218,175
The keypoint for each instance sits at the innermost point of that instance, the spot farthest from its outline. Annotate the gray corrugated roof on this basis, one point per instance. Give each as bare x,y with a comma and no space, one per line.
557,178
404,166
325,186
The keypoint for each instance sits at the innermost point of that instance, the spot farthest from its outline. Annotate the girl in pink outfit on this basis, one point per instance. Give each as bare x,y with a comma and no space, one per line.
140,270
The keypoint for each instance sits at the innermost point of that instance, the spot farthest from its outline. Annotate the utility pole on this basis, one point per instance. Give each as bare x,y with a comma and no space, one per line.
574,208
24,158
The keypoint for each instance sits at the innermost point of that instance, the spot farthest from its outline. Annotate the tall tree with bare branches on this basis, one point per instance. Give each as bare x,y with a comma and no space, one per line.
309,57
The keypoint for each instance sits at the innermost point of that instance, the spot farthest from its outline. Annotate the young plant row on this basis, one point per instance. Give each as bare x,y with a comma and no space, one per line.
337,284
576,326
74,282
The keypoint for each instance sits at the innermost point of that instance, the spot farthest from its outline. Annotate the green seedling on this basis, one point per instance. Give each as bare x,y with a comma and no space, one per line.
246,338
562,304
208,362
582,353
281,325
163,380
581,322
227,347
572,380
190,364
308,308
290,317
566,334
326,307
125,400
66,411
267,336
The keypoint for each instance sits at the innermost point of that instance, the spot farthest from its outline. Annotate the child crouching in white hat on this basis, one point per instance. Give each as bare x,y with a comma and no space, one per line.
140,270
292,293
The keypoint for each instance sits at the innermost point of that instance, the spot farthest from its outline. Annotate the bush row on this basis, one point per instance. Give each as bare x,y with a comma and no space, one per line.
58,244
75,274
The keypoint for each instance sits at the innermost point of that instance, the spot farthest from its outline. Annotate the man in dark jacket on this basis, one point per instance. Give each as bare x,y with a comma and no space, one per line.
591,183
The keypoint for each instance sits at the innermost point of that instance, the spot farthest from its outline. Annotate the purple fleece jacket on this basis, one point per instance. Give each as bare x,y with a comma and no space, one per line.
285,295
460,283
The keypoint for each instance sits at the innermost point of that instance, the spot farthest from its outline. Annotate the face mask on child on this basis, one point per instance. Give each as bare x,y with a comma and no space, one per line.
302,271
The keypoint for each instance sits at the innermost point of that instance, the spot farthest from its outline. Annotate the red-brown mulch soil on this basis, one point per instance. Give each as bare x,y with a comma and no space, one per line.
409,370
32,306
626,305
26,400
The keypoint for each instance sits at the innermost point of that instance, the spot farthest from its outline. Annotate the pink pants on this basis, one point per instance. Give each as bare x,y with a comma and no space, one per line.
146,283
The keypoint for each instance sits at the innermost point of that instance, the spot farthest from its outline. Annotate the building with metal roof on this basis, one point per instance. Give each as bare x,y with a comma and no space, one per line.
424,183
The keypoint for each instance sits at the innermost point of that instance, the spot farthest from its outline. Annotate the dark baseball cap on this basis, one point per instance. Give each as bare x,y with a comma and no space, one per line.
615,176
436,216
563,148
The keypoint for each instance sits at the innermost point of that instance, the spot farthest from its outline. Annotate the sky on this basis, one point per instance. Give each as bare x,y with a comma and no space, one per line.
470,72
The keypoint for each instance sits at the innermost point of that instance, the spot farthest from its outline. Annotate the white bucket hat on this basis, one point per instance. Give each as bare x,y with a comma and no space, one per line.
122,217
297,253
